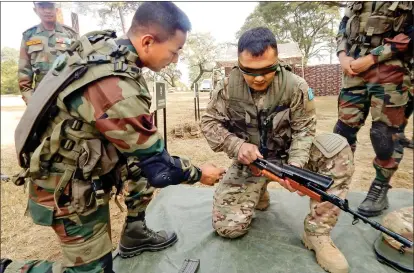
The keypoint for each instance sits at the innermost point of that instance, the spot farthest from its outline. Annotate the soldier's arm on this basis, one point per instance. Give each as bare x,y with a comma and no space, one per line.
25,73
393,46
303,124
341,36
213,125
119,109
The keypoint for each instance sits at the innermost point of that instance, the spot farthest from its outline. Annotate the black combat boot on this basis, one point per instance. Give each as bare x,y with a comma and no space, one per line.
136,237
3,264
376,200
405,142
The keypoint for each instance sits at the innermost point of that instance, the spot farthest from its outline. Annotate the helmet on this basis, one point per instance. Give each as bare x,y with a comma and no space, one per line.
387,249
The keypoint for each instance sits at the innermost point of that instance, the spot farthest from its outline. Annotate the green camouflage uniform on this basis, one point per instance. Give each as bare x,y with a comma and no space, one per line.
38,51
99,132
283,120
376,28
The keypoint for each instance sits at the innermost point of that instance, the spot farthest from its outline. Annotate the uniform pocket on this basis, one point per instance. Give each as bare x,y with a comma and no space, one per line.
41,214
35,48
83,197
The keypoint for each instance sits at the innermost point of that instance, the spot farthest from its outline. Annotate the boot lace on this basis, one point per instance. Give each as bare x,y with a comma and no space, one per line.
376,191
149,232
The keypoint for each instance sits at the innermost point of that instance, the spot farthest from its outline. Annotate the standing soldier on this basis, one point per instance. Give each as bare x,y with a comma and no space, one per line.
375,48
267,111
40,46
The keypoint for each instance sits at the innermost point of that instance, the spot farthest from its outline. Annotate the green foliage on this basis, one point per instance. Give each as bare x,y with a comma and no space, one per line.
307,23
9,67
199,52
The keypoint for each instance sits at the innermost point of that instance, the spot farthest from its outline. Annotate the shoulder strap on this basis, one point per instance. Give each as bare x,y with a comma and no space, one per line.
77,67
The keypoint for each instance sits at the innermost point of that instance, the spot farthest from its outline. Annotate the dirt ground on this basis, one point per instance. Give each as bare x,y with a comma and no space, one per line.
21,239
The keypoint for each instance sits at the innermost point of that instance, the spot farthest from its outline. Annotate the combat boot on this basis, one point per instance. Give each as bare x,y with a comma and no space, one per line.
3,264
328,256
136,237
376,200
405,142
264,201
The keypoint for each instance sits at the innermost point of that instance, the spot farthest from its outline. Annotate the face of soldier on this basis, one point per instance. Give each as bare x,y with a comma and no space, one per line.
248,61
46,12
157,55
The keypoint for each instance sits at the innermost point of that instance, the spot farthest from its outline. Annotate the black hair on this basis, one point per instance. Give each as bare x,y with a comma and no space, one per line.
256,41
166,17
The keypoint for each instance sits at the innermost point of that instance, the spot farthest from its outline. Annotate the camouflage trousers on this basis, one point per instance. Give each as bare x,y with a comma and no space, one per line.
82,226
239,192
385,91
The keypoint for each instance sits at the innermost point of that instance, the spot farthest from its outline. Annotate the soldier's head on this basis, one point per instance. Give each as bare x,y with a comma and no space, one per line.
46,11
158,32
257,50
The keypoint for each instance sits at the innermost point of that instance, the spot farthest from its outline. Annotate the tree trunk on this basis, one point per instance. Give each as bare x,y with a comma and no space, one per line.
199,75
122,19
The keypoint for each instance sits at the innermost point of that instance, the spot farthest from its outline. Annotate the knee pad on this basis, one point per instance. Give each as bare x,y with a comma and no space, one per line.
381,139
231,232
346,131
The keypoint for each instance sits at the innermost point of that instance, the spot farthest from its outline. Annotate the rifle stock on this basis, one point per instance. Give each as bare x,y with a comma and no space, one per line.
315,186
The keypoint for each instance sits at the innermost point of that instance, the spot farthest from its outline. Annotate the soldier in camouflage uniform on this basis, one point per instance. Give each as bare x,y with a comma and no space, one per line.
264,110
375,48
96,132
40,46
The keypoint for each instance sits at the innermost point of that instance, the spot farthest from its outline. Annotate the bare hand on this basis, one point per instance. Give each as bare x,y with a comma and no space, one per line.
362,64
346,64
211,174
248,153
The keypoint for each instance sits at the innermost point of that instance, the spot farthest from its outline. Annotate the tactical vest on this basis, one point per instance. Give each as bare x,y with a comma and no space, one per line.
370,22
50,140
270,128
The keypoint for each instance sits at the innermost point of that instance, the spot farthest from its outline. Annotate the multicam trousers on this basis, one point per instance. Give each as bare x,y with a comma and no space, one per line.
238,194
385,91
85,237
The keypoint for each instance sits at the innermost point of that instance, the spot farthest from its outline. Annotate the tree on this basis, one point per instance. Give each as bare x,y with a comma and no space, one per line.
307,23
8,53
9,66
110,14
199,52
171,74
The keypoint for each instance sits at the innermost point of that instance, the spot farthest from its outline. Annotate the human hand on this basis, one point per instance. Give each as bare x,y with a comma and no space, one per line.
248,153
345,62
210,174
362,64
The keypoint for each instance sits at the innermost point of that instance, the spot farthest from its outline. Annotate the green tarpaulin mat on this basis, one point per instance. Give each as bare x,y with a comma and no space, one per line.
272,244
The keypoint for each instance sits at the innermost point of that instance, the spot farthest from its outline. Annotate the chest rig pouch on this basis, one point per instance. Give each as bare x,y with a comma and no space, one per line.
268,128
47,135
372,22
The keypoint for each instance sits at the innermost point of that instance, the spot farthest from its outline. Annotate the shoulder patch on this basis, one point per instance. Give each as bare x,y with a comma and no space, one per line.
29,31
310,94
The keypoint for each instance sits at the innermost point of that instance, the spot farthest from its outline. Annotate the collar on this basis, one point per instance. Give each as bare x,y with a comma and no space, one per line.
40,28
125,41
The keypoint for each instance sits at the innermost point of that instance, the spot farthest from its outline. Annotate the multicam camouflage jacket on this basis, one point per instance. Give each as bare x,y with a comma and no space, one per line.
38,51
282,123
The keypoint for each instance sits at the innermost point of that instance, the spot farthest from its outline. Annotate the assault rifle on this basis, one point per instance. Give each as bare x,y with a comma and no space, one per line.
315,186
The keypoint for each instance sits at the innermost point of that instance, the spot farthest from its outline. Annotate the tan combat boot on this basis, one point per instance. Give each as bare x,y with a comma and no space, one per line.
264,201
328,256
